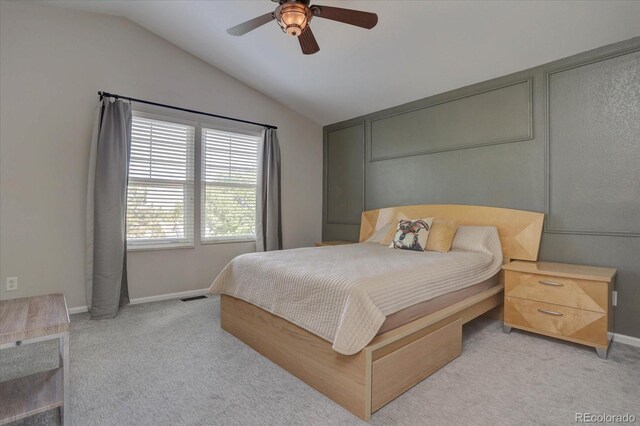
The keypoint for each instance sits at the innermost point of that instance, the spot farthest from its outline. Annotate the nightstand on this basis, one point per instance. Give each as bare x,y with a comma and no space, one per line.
332,243
569,302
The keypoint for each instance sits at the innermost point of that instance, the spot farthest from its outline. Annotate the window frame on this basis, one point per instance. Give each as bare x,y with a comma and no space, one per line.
189,207
196,206
213,126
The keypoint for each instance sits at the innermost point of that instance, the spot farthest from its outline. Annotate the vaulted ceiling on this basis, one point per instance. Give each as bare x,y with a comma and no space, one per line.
418,48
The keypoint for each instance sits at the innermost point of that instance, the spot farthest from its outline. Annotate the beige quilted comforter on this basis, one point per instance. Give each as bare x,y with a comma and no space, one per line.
344,293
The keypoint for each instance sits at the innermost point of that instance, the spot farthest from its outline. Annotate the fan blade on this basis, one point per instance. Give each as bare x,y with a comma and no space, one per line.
251,24
308,42
348,16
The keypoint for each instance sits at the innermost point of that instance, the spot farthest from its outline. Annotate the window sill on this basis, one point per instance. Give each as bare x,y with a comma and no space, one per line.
160,247
210,242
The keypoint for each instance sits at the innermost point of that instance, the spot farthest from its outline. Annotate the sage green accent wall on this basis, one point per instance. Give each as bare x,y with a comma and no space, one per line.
344,151
345,175
337,232
498,115
563,138
594,126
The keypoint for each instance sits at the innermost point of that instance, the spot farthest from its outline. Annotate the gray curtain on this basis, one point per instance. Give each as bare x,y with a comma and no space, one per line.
106,255
268,215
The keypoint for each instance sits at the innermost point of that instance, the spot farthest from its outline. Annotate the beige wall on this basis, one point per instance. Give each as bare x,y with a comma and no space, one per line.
52,63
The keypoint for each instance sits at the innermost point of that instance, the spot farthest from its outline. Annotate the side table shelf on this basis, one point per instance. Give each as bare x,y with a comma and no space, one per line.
30,320
30,395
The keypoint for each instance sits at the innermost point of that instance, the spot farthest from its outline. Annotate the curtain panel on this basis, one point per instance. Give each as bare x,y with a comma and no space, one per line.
268,201
106,244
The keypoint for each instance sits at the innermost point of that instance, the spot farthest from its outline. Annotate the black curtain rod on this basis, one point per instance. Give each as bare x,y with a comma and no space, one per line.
110,95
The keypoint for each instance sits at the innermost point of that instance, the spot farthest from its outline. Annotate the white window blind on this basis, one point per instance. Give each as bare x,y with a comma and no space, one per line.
161,182
229,175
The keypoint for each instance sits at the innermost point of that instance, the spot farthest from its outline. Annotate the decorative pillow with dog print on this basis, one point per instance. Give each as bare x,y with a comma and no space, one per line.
412,234
388,238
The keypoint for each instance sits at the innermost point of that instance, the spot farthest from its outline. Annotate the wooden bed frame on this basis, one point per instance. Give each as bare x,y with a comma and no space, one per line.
397,360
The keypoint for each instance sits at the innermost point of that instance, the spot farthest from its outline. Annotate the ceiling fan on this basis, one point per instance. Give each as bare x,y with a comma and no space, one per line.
294,16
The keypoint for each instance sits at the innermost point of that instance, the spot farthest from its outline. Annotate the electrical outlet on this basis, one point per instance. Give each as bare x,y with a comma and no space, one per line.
12,283
614,300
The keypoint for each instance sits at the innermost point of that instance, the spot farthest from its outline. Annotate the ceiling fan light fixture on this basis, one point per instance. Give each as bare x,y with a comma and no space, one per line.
293,17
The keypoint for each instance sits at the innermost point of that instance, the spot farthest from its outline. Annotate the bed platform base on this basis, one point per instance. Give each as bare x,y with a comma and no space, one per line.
395,361
362,383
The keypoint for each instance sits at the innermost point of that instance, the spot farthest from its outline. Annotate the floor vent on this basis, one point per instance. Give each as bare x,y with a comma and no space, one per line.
189,299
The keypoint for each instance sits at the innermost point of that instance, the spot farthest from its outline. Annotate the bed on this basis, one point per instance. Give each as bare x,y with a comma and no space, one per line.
329,315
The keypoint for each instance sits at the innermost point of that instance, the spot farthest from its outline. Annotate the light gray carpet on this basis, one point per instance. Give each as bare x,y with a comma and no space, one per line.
169,363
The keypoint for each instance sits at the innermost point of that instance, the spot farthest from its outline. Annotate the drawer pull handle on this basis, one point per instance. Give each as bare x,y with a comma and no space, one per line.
551,283
554,313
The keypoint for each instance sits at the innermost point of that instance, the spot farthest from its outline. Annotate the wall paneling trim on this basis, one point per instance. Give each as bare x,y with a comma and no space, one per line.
593,124
493,116
344,153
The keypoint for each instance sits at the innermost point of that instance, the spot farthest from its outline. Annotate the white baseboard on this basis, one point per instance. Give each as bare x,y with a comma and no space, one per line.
158,298
627,340
168,296
77,310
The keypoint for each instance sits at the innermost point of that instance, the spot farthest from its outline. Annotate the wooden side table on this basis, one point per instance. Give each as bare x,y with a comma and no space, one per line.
30,320
569,302
332,243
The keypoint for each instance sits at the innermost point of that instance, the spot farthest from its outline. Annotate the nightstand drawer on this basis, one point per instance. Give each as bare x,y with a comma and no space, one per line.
570,292
559,321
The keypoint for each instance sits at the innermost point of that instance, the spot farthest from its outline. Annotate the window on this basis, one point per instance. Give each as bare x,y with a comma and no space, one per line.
229,175
161,204
161,184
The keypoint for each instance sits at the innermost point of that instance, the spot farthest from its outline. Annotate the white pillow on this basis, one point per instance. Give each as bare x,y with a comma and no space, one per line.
479,239
379,234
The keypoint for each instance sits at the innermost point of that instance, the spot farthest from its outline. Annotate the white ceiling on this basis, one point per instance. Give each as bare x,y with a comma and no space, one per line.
418,48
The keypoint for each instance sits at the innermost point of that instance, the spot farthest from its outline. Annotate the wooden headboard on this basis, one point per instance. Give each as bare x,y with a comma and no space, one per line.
520,231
